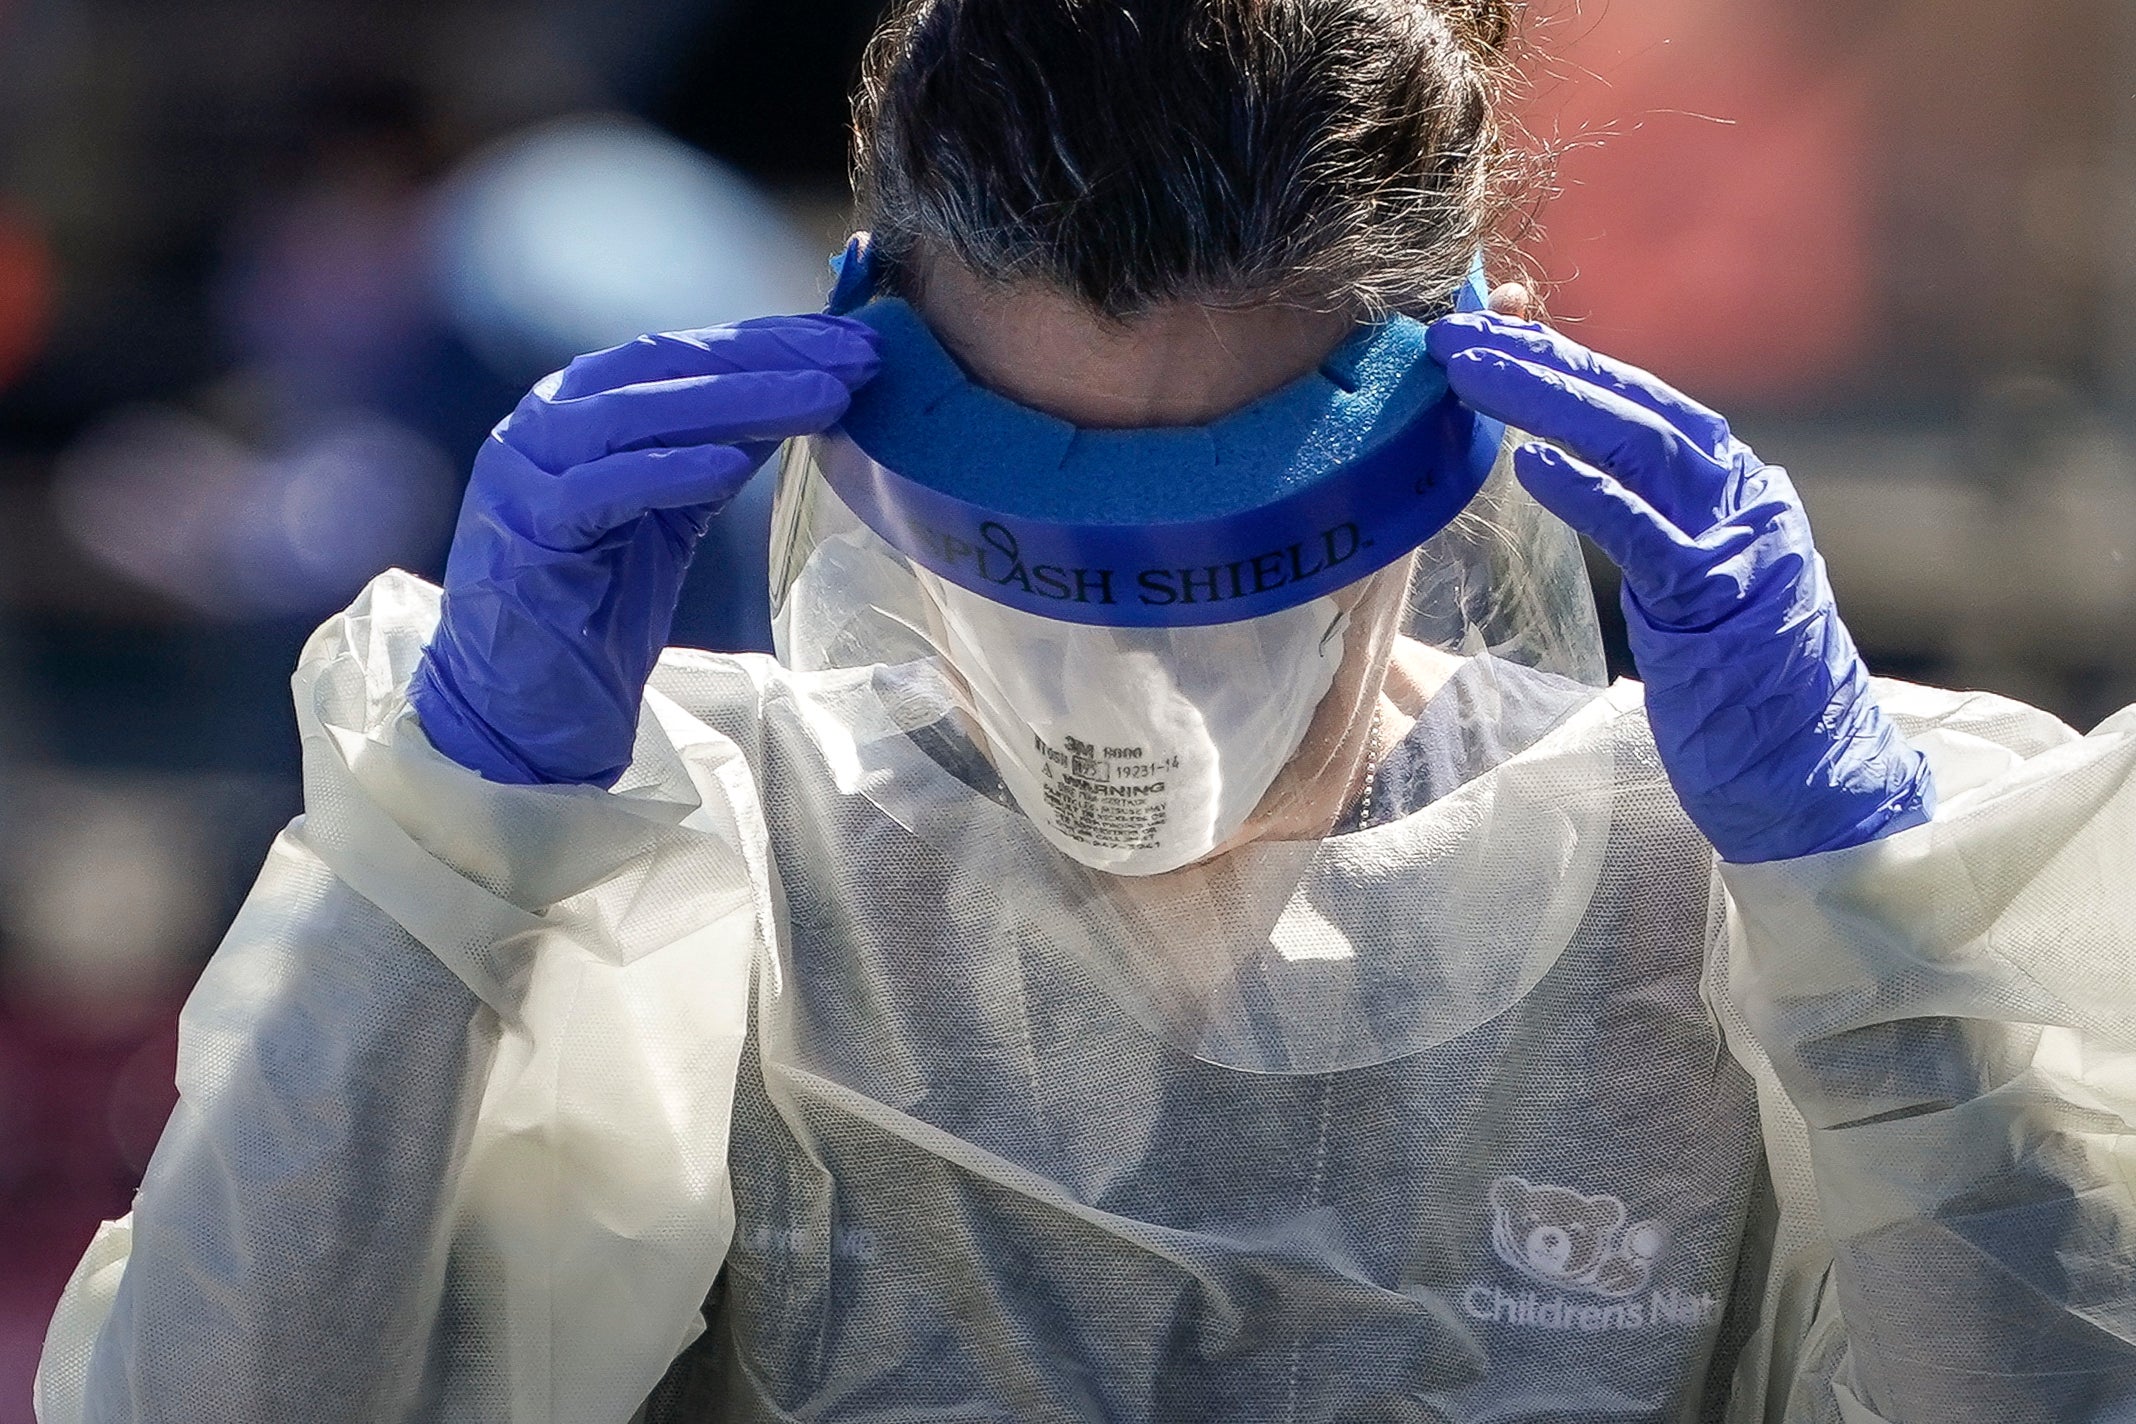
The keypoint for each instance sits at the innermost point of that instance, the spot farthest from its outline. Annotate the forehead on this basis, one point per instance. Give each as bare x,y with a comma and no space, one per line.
1178,365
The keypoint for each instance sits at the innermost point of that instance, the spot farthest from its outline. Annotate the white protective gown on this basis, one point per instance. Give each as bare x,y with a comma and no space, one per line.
695,1101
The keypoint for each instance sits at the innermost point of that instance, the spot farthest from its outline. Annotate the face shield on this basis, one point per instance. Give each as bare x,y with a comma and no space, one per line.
1242,702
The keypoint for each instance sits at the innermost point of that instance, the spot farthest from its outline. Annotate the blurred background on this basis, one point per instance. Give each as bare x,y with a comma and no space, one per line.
269,270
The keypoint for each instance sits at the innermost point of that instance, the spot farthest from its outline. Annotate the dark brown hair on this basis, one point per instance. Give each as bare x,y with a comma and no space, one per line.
1342,153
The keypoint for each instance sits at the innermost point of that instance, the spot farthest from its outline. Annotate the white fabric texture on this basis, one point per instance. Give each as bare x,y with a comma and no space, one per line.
478,1049
530,1002
1947,1021
981,1174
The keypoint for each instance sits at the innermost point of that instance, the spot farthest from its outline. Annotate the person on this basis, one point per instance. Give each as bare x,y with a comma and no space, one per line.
1182,931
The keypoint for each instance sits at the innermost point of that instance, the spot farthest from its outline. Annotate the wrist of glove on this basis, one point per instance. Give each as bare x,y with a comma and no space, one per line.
1758,699
1760,705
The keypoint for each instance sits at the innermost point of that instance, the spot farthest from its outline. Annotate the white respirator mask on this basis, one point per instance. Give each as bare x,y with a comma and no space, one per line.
1139,750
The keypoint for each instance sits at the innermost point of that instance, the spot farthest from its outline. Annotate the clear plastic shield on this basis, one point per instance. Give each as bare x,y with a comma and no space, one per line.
1329,835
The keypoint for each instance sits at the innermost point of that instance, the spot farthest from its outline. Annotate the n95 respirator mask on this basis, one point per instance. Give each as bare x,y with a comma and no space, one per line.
1139,750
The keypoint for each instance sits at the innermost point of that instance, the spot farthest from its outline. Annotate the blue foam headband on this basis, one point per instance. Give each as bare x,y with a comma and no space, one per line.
1309,490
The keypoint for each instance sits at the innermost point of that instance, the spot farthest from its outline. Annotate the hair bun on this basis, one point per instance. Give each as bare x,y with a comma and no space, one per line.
1486,25
1345,154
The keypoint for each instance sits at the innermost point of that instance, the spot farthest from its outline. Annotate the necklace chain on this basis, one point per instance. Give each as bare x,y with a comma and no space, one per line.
1375,755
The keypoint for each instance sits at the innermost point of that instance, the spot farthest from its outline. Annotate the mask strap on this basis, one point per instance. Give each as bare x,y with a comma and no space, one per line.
854,270
1475,293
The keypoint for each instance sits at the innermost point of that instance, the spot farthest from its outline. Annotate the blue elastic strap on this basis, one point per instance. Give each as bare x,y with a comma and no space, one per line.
853,273
1475,293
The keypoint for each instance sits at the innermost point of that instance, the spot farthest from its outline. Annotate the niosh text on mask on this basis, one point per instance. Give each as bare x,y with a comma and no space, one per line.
996,557
1106,798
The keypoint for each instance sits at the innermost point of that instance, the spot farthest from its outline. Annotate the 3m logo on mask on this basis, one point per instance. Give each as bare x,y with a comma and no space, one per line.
1583,1247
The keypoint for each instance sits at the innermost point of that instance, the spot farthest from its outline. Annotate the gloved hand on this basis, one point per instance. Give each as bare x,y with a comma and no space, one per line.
1760,704
585,507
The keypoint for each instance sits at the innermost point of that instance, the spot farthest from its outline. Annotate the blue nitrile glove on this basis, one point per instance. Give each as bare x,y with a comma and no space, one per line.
579,524
1760,705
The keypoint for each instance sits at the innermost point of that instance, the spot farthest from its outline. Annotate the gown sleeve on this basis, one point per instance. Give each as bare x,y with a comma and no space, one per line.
1943,1026
454,1091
